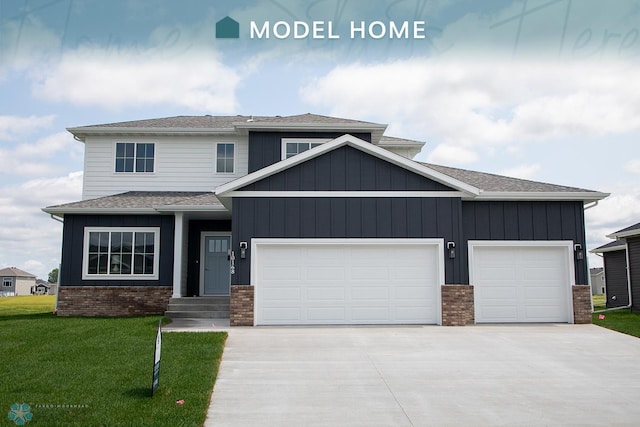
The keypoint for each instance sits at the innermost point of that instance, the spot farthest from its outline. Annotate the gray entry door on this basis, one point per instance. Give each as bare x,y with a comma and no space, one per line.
216,275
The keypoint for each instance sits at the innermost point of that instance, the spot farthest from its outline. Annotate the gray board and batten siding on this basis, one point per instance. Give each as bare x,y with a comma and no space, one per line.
449,218
526,220
265,148
615,268
73,241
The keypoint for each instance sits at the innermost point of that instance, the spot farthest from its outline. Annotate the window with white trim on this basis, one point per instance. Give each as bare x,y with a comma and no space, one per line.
134,157
7,282
225,155
295,146
112,253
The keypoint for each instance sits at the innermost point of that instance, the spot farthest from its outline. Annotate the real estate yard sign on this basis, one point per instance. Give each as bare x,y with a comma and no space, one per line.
156,360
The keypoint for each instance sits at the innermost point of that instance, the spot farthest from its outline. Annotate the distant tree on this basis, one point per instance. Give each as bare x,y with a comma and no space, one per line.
53,276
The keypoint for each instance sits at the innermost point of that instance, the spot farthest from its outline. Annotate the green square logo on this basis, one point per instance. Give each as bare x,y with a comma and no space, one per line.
227,28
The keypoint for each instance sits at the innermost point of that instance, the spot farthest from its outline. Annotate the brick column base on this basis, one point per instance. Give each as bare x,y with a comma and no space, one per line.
581,304
112,301
457,305
241,305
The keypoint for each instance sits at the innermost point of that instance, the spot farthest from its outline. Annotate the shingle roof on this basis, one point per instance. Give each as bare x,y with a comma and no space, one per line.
615,245
630,228
225,122
144,200
15,272
498,183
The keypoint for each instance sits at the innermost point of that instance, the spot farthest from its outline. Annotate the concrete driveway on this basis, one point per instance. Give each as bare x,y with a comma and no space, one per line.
428,376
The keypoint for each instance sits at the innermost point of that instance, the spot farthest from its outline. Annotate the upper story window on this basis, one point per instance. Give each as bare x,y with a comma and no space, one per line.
134,157
225,157
294,146
121,253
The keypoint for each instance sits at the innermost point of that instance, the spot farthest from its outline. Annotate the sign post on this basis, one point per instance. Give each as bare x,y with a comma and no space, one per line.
156,360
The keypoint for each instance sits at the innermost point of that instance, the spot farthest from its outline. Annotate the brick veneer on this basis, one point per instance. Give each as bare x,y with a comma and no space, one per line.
241,305
457,305
112,300
581,304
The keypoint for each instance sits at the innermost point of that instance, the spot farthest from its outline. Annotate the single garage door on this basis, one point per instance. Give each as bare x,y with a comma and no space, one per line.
521,281
367,281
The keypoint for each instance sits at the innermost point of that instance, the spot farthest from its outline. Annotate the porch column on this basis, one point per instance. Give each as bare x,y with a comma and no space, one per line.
177,255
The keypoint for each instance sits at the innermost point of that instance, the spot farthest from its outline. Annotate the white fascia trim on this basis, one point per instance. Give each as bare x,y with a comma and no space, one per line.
352,141
547,195
344,194
620,247
620,235
62,211
187,208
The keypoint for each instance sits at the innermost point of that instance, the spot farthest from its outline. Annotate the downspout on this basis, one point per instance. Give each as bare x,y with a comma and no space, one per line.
55,309
628,286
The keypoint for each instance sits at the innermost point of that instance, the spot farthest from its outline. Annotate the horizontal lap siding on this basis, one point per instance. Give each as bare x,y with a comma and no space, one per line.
526,220
182,163
265,148
346,169
345,218
615,270
633,245
73,241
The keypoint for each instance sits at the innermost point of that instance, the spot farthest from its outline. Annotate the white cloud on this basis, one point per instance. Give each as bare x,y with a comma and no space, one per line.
451,155
522,171
35,159
131,78
12,127
633,166
481,105
30,238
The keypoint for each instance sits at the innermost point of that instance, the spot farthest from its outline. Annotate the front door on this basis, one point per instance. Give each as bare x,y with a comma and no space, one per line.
215,277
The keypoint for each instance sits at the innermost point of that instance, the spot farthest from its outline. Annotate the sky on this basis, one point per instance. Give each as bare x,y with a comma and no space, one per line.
537,89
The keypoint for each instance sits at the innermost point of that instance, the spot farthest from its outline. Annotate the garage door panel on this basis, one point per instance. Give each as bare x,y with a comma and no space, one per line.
324,314
521,283
347,283
326,293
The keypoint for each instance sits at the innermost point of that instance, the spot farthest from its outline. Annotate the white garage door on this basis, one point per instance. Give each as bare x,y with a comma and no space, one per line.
347,282
521,282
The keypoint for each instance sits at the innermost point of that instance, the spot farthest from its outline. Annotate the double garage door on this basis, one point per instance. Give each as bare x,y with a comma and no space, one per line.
379,281
369,281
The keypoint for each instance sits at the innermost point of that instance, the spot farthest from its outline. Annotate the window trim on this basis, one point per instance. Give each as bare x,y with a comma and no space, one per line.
8,280
132,276
215,157
285,141
135,156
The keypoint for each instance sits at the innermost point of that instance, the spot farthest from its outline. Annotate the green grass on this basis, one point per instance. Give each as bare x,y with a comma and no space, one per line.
103,366
620,320
29,304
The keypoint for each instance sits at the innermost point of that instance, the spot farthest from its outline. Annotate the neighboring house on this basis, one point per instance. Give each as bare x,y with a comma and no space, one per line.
16,281
41,287
597,281
622,268
311,219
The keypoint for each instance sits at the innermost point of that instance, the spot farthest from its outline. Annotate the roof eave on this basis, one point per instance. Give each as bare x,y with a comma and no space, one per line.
190,208
377,130
622,234
61,211
82,132
584,196
609,249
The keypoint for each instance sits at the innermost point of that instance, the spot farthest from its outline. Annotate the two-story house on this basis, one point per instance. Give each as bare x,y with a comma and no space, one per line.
311,219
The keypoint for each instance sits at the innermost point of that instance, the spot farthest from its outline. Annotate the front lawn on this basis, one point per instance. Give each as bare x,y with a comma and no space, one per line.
619,320
97,371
